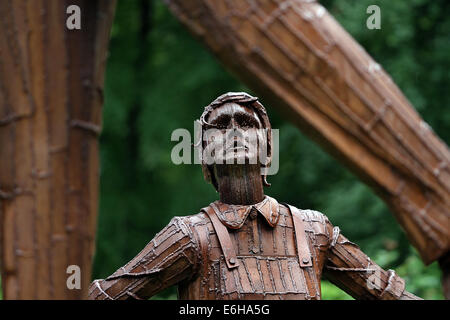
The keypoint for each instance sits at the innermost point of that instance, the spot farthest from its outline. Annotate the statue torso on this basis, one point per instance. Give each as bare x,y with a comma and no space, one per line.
268,267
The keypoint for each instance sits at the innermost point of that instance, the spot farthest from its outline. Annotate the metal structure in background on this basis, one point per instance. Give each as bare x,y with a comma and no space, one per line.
297,58
51,97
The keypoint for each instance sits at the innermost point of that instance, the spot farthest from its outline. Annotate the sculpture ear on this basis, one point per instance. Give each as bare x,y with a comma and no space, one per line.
264,180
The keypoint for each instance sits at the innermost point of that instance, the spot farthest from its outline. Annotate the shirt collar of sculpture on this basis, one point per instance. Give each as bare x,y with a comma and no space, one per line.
234,216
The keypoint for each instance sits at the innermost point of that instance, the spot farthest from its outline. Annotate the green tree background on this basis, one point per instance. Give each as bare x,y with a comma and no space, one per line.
159,78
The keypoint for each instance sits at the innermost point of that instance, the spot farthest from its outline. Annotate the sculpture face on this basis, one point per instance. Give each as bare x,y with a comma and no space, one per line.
243,111
235,137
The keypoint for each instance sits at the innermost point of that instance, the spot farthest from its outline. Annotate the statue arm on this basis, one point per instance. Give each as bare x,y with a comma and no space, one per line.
166,260
354,272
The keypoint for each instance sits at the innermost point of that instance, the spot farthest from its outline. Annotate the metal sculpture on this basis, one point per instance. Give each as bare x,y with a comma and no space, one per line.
247,245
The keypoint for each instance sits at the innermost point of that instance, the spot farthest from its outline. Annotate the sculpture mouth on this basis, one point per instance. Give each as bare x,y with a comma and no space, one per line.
238,148
237,145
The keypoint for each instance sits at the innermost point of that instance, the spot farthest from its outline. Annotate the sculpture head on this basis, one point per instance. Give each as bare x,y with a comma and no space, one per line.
239,120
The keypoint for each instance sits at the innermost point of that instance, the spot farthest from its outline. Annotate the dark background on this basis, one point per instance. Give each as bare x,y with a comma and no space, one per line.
159,79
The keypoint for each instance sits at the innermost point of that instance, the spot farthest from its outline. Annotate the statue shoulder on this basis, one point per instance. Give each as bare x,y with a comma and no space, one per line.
310,215
313,216
180,225
315,220
195,220
198,225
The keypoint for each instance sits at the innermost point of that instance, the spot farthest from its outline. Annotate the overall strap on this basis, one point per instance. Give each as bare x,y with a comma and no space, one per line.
223,236
304,255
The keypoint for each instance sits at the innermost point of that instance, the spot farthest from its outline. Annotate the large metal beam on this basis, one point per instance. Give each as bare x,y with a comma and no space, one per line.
51,97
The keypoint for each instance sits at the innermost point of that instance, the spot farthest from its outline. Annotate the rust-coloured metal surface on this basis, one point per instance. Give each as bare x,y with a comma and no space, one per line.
299,59
51,97
188,253
249,247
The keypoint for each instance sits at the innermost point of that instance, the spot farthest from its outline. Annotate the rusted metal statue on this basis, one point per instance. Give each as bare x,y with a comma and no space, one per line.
247,245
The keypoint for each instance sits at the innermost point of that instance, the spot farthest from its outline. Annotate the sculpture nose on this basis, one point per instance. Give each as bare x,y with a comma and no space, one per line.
235,131
234,135
233,124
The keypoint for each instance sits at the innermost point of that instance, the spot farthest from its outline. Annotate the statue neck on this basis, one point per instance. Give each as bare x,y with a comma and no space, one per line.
239,184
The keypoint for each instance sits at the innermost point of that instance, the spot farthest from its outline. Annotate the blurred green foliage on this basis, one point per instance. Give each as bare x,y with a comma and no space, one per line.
159,78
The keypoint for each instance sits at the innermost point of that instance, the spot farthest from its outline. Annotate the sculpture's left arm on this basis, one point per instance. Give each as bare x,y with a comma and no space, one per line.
354,272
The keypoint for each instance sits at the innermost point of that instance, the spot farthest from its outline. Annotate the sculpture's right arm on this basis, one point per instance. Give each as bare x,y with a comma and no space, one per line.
170,257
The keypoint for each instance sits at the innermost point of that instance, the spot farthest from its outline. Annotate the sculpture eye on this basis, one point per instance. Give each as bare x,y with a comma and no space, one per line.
246,121
222,121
